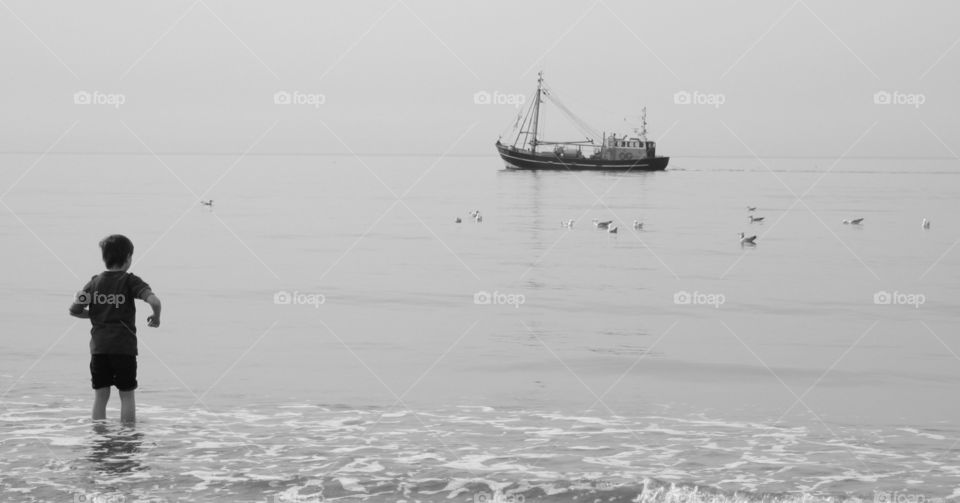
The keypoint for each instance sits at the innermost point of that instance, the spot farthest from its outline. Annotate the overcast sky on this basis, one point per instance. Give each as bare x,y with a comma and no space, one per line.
792,77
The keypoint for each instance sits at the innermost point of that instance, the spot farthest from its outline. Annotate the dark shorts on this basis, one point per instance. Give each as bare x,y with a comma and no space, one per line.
114,370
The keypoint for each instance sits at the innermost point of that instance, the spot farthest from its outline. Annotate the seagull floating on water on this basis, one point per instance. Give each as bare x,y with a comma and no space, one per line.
612,230
567,223
926,223
751,208
747,240
478,218
755,219
855,221
602,225
457,221
638,225
208,202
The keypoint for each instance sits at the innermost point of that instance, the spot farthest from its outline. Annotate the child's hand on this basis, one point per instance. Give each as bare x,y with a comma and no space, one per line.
153,320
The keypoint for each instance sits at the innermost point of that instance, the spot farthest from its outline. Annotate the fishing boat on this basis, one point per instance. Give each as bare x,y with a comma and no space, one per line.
614,153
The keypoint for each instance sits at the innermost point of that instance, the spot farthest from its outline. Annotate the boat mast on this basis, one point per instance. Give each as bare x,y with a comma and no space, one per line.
536,112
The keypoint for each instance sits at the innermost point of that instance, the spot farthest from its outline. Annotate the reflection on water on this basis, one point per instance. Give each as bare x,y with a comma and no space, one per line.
115,450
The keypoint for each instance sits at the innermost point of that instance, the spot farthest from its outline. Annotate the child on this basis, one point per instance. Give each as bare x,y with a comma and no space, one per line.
107,300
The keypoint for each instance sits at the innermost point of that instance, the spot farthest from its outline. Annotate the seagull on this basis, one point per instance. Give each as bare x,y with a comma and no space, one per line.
755,219
926,223
567,223
638,225
457,221
855,221
745,240
751,208
207,203
478,218
602,225
612,230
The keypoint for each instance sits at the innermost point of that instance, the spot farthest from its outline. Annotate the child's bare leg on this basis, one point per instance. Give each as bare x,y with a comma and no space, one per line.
128,407
100,397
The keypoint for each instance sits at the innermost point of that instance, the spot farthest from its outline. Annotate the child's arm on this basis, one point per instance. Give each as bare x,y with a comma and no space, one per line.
79,308
154,301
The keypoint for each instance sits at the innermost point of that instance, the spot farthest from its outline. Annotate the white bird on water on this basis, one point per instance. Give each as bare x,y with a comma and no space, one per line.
567,223
478,218
638,225
855,221
755,219
612,230
926,223
457,221
747,240
208,202
751,208
602,225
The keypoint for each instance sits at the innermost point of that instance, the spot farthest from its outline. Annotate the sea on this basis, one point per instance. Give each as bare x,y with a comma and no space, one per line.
331,332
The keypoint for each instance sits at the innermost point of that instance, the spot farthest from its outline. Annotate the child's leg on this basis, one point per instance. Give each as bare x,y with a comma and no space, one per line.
100,397
128,407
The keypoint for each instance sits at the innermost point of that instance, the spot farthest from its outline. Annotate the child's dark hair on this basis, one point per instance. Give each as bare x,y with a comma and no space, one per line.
116,248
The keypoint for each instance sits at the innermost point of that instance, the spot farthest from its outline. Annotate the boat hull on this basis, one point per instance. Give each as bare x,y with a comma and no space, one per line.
519,160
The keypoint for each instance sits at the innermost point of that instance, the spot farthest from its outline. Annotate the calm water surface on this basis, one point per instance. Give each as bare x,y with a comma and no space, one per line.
586,376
